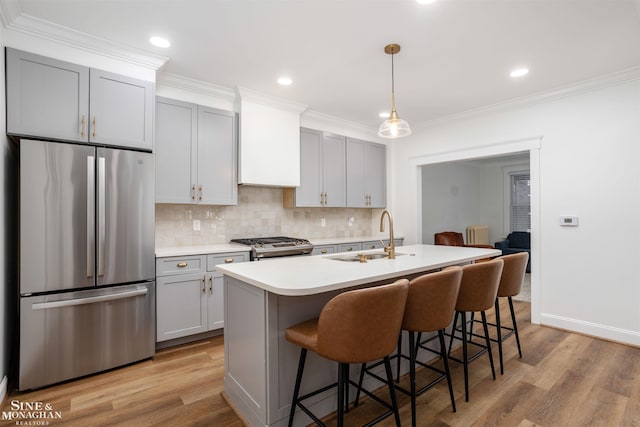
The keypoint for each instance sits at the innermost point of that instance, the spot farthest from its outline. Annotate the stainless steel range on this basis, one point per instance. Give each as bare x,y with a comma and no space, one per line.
268,247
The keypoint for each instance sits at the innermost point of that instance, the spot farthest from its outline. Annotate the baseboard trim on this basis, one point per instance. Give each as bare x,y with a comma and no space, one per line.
623,336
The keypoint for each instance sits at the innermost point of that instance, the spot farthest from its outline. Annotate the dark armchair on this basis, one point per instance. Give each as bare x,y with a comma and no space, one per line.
517,241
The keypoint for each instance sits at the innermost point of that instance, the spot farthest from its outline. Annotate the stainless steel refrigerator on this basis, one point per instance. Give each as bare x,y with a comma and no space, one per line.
87,265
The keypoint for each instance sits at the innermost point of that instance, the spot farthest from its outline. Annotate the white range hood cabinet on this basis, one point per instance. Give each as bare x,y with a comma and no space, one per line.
269,148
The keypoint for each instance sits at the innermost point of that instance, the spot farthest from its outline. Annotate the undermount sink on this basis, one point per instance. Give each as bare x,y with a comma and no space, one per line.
358,257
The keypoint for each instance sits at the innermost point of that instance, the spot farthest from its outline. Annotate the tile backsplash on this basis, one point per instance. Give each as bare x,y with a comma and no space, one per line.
259,213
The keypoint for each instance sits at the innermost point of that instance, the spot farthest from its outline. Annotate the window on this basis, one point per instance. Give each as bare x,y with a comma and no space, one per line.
520,201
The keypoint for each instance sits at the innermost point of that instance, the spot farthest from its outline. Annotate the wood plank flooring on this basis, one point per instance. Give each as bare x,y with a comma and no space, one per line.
563,379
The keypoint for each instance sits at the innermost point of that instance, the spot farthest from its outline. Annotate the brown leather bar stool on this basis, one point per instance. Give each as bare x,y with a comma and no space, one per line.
430,307
515,266
354,327
478,292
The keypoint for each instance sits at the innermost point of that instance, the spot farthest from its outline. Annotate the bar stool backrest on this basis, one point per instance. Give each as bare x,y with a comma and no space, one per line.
479,285
362,325
432,300
515,266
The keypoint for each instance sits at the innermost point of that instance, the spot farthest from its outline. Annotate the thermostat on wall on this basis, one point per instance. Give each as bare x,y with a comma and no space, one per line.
569,221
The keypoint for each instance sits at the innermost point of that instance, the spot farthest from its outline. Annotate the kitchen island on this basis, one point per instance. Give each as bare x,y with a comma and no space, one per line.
263,298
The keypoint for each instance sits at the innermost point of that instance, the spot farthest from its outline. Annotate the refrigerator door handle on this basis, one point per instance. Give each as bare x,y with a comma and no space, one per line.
101,215
89,300
91,214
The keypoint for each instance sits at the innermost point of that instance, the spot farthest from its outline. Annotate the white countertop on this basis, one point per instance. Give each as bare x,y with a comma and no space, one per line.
200,250
308,275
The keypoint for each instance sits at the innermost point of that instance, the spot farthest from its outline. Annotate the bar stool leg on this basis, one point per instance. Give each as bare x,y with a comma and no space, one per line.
360,380
412,376
296,389
445,359
399,353
515,325
499,330
465,360
392,391
488,342
346,387
453,332
340,394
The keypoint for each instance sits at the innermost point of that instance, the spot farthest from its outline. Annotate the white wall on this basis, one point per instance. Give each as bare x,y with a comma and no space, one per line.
588,276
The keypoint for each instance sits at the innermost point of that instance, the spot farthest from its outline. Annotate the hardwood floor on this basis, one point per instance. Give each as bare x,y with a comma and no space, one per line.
563,379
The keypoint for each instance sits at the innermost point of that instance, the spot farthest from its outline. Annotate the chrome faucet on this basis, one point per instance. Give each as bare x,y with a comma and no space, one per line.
391,249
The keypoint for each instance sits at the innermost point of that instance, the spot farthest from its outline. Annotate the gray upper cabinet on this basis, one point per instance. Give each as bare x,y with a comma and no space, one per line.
46,98
217,157
366,174
176,151
196,154
52,99
322,170
121,110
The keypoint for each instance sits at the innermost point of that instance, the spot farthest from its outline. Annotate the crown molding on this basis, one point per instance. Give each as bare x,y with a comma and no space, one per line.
601,82
327,121
251,95
197,86
9,10
22,23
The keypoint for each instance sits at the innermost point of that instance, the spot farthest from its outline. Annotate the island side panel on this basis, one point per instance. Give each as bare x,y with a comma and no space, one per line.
282,312
245,359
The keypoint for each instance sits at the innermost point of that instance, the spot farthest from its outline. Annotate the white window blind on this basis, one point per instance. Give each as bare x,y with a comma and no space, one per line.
520,202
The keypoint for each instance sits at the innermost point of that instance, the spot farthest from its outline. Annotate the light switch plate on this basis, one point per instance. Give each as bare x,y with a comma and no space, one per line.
569,221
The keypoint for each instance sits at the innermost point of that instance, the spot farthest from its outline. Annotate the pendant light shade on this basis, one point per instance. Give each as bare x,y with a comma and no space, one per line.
394,126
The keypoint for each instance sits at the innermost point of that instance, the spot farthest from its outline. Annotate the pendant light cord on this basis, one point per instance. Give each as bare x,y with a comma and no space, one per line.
393,91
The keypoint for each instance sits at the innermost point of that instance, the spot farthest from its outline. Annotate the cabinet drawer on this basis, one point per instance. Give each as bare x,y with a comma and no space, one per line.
374,244
215,259
349,247
180,265
324,249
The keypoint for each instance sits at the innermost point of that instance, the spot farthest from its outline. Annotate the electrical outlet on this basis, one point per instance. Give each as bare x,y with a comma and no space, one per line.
351,221
196,225
323,222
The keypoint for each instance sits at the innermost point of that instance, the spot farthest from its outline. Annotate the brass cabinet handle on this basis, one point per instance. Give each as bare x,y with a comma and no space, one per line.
94,126
182,264
193,192
82,122
349,248
200,190
228,260
322,198
204,289
372,247
324,251
210,285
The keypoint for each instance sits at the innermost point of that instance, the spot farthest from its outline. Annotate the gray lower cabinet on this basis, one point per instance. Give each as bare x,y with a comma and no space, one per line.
353,246
366,174
196,154
189,294
349,247
53,99
322,170
324,249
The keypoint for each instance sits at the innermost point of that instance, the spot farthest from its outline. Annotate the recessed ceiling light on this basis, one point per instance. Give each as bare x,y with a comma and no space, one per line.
159,42
384,115
425,1
285,81
519,72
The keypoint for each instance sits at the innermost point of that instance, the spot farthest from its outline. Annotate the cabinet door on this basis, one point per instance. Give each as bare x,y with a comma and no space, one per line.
46,98
175,150
376,175
181,302
308,194
215,304
356,177
333,170
121,110
217,157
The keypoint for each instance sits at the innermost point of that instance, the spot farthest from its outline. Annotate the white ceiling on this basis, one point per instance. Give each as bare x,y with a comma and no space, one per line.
456,54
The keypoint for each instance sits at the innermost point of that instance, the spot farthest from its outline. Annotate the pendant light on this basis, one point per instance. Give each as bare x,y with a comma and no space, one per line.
394,126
